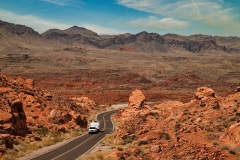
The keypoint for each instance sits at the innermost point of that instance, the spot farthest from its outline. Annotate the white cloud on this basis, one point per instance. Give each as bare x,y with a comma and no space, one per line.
40,25
186,9
153,22
208,12
34,22
58,2
102,30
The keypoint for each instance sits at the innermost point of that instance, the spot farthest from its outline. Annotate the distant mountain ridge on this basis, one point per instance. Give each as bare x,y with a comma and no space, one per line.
11,28
140,42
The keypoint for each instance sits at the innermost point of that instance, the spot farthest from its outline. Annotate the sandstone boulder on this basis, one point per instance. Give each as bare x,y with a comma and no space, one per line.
238,89
137,99
29,84
203,93
155,148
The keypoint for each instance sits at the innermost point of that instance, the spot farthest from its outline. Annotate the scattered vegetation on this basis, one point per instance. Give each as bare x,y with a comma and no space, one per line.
224,147
215,143
24,147
235,151
177,125
202,105
96,156
216,106
166,136
42,131
142,142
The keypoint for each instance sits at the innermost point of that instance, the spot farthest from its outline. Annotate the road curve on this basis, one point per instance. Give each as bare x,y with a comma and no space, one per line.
82,144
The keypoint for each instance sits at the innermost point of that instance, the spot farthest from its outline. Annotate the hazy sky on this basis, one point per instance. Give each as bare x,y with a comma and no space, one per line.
184,17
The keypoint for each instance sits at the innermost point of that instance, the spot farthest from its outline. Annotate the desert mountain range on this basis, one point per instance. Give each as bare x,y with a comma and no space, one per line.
140,42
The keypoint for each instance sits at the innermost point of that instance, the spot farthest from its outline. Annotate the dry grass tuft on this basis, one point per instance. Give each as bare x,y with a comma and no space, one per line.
22,148
97,156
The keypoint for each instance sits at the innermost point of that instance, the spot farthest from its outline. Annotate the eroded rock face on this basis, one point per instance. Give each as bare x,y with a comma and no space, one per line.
23,107
13,117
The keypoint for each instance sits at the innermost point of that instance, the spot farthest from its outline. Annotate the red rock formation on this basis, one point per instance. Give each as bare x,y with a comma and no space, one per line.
137,99
173,130
23,107
204,93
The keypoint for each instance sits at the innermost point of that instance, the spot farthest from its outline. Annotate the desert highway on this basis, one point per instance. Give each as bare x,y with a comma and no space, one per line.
82,144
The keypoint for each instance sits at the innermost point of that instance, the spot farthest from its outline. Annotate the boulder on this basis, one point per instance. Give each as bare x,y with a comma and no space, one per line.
137,99
29,84
155,148
238,89
203,93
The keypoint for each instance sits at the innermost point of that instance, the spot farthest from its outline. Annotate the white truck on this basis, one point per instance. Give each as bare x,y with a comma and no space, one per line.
94,127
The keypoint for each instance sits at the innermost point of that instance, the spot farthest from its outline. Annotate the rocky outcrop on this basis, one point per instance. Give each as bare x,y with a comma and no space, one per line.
232,134
238,89
199,129
204,93
137,99
24,107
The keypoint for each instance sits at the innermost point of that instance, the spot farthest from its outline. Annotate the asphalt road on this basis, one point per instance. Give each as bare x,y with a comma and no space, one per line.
81,145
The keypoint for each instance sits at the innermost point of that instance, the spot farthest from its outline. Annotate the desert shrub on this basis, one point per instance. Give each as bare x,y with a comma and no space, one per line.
10,154
222,125
238,114
166,136
177,125
142,142
224,147
128,139
211,136
216,106
28,105
232,118
96,156
235,151
203,158
186,112
215,143
42,132
175,157
142,116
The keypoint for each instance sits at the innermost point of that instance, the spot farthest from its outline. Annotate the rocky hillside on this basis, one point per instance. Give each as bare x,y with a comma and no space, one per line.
10,28
205,128
23,108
